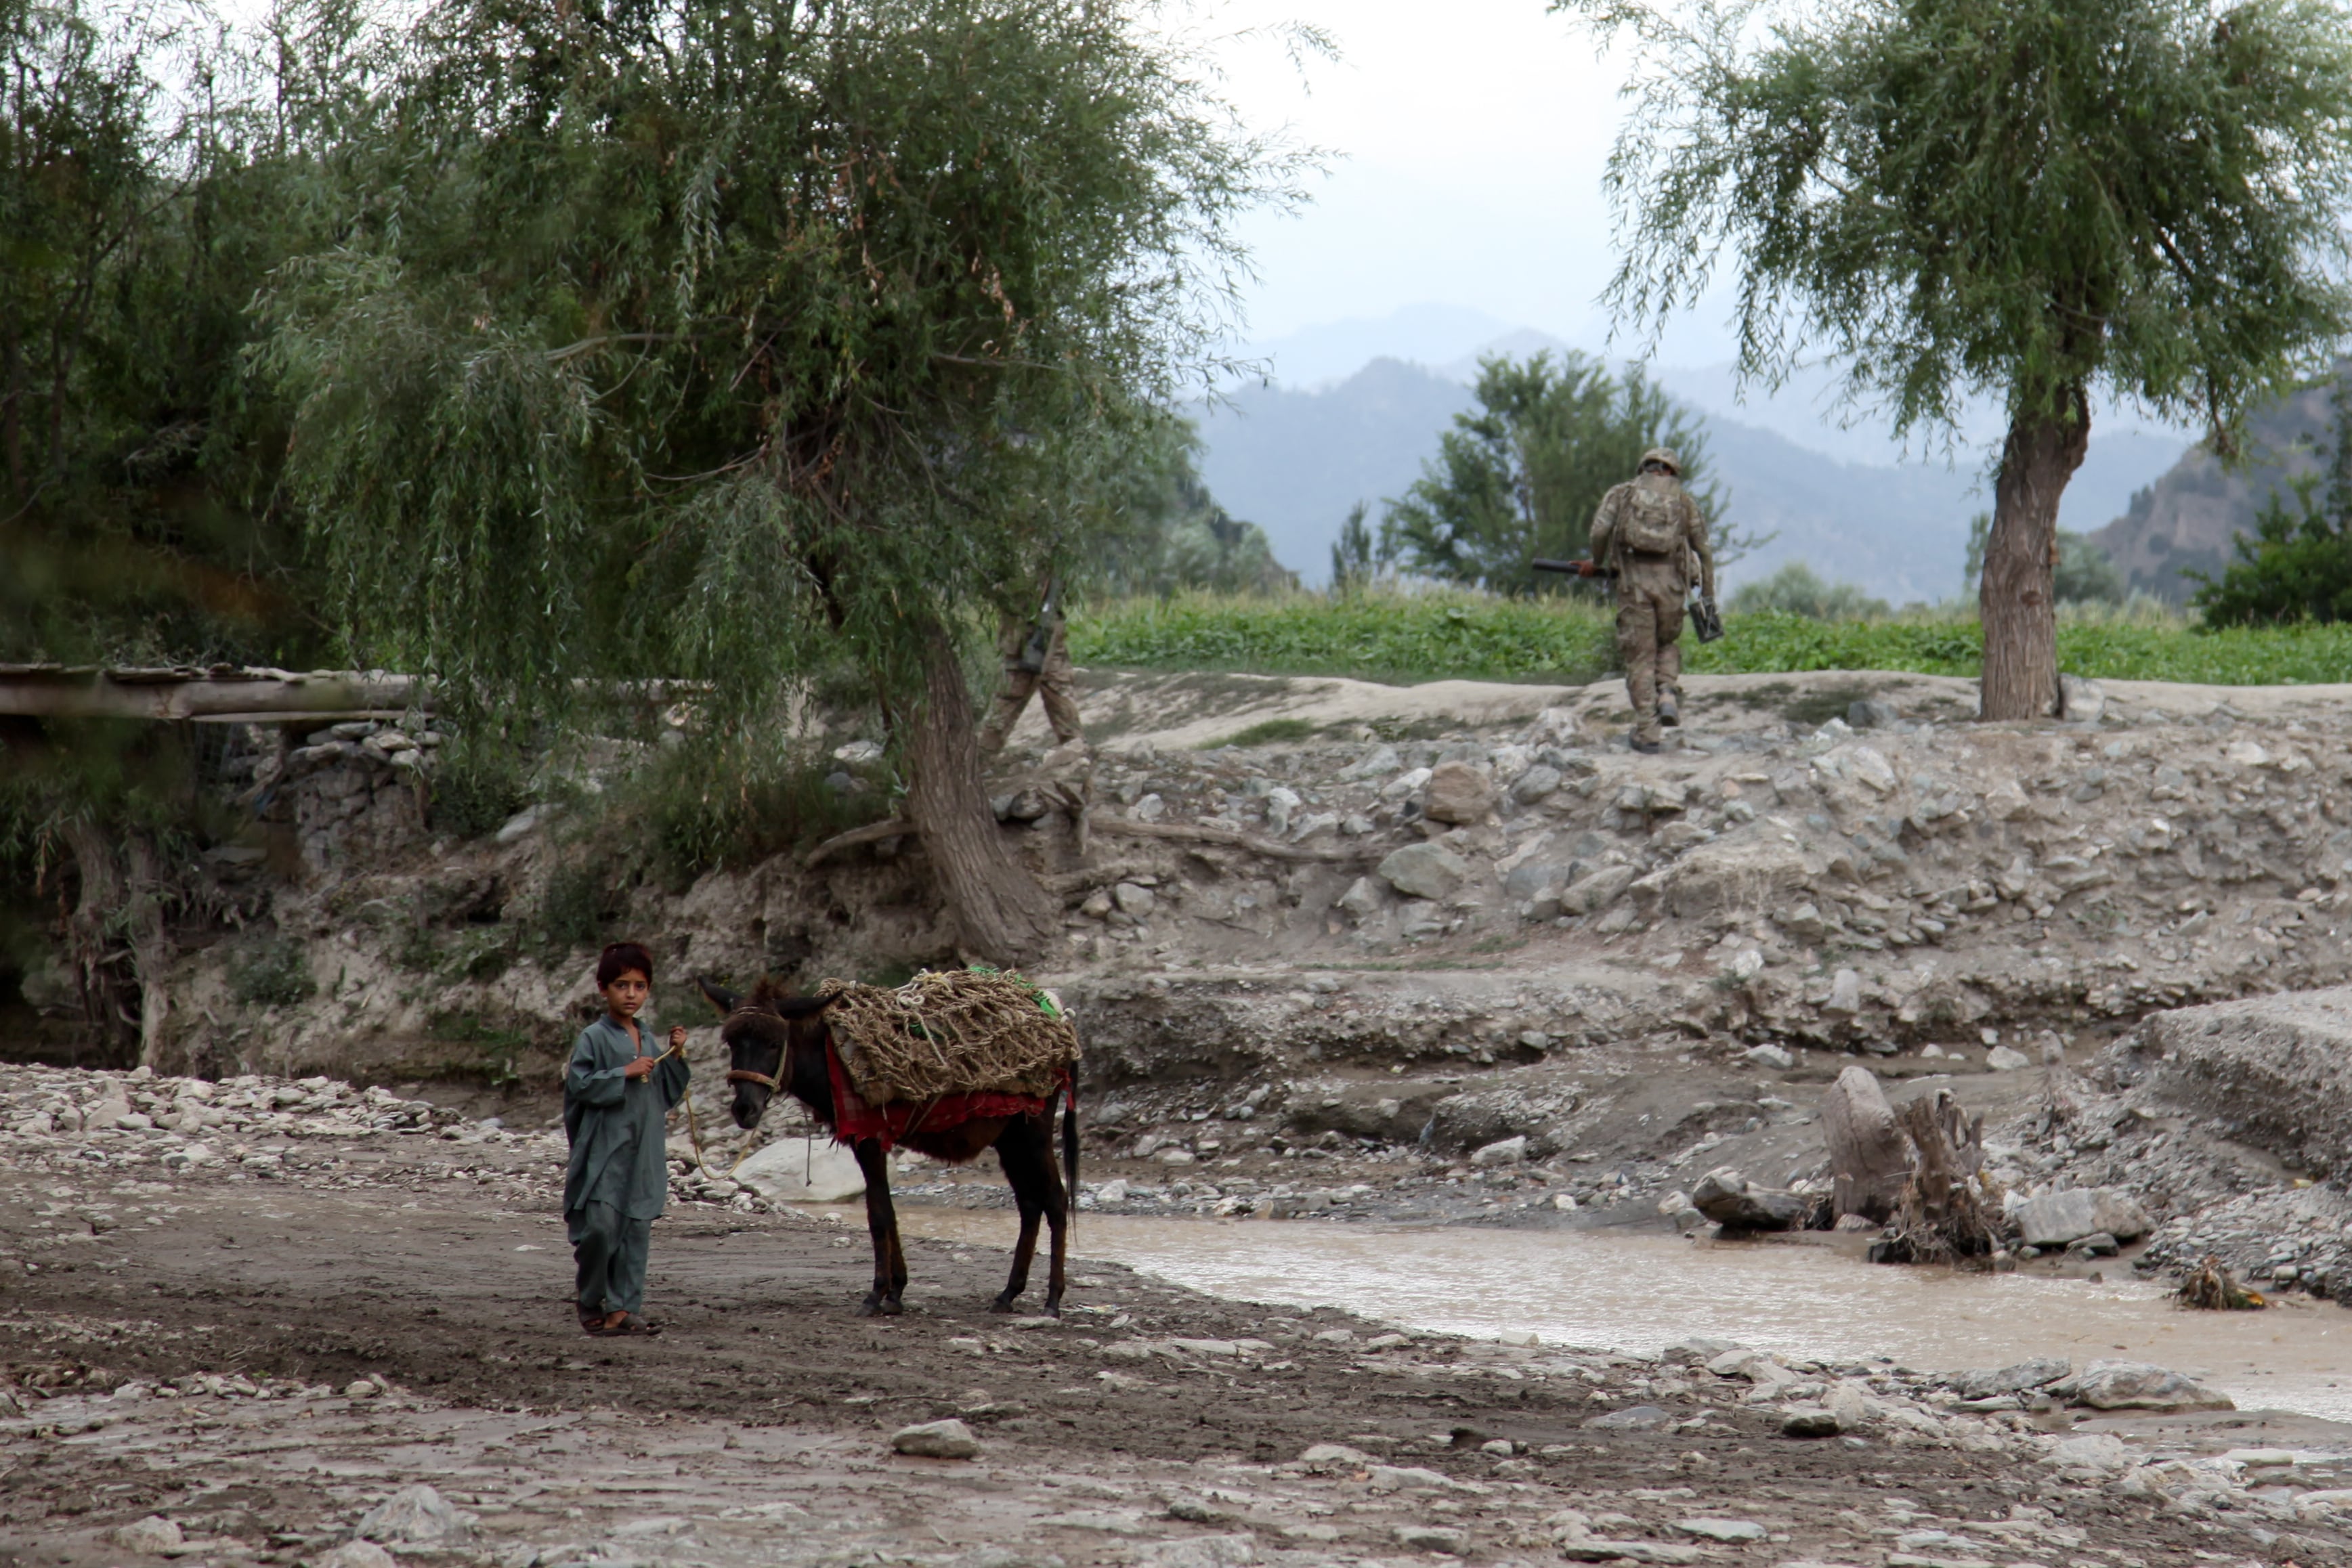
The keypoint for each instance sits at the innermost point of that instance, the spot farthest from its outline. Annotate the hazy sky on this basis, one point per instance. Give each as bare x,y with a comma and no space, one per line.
1467,144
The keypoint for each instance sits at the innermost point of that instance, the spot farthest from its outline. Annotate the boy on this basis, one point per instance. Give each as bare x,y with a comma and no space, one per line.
617,1095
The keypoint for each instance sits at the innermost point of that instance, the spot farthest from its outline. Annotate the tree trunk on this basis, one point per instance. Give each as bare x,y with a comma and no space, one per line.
2017,593
1869,1161
100,961
1003,914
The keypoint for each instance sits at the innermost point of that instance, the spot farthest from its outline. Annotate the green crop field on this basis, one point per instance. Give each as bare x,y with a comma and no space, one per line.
1410,637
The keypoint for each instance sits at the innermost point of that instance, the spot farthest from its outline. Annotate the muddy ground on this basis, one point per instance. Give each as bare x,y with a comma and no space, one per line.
1148,1425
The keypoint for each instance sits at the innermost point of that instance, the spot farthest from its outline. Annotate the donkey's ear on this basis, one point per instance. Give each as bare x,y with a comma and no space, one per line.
719,996
803,1007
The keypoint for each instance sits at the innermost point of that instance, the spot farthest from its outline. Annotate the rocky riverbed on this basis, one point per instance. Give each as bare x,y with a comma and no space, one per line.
288,1322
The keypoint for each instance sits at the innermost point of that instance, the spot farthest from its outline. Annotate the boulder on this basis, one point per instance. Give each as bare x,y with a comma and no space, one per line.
1457,792
1871,713
1427,870
358,1554
2061,1219
949,1439
1503,1152
2139,1385
1536,783
2020,1378
2099,1453
416,1516
1737,873
1534,879
1734,1202
153,1536
1591,895
794,1170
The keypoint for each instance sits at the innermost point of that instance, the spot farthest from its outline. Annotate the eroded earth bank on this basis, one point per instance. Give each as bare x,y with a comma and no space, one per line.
1441,954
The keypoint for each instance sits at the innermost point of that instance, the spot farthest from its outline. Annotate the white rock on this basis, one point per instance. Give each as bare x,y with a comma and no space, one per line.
1374,764
358,1554
2002,1059
798,1170
949,1439
1871,769
2100,1451
153,1536
1845,993
418,1516
1503,1152
1769,1055
516,826
1404,784
1730,1531
1135,902
1201,1552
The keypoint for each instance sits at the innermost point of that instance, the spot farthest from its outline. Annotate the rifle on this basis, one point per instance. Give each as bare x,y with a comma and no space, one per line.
1041,636
1574,568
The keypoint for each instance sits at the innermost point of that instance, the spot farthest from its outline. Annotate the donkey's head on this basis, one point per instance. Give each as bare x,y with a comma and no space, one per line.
767,1033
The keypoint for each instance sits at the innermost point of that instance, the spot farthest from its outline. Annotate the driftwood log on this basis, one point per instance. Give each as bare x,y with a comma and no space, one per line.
1870,1160
1943,1214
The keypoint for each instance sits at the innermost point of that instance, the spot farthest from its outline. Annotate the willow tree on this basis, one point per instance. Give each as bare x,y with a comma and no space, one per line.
714,341
2042,200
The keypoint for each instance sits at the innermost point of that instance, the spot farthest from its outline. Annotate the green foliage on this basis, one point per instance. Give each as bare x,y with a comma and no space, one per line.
475,790
2086,574
570,911
1356,560
1797,590
2296,565
1168,534
2023,196
693,810
1409,638
494,1052
1521,476
139,212
693,342
271,973
1377,634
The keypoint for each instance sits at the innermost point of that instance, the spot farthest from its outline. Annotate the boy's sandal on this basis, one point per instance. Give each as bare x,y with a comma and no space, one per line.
630,1323
591,1326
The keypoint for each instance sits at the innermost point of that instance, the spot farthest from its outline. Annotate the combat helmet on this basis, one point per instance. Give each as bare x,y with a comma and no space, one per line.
1664,454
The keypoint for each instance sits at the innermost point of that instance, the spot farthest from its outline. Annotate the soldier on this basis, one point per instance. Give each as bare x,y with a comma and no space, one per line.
1650,531
1036,656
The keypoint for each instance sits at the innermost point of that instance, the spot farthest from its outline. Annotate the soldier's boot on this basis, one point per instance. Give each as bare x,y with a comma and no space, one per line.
1647,747
1669,713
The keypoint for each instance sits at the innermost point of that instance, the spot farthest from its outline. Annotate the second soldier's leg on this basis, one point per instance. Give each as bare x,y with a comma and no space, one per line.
1637,645
1057,683
1011,699
1670,658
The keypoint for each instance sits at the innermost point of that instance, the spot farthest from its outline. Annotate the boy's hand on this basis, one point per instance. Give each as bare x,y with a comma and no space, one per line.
677,1037
640,1067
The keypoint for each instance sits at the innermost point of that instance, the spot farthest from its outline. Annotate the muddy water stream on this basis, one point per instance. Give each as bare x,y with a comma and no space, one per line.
1594,1288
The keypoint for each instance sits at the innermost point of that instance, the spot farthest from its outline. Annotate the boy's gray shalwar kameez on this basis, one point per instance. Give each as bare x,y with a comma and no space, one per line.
618,1180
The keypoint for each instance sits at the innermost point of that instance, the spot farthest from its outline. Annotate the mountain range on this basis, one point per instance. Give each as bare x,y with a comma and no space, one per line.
1295,460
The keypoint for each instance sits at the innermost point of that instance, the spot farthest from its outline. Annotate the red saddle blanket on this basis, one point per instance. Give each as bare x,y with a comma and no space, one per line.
854,1120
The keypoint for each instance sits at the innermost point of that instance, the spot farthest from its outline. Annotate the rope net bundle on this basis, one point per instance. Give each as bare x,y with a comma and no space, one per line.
954,1031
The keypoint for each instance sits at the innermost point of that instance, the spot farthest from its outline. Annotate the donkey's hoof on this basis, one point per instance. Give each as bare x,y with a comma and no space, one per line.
1003,1304
892,1307
1052,1308
871,1306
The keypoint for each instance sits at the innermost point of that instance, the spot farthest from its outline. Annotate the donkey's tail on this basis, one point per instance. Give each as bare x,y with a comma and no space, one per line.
1070,1142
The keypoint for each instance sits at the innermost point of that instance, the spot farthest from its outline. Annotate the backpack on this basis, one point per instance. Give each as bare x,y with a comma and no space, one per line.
1652,522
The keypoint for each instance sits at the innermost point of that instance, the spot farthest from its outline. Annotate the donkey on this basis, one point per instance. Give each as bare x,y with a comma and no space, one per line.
778,1044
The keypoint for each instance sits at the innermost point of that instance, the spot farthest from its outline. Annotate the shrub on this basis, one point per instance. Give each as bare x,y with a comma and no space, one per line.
275,973
1797,590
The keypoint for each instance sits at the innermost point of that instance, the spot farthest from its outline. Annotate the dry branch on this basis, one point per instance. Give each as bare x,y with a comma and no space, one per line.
872,832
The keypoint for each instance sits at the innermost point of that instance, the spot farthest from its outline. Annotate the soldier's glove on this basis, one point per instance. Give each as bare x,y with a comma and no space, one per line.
1707,621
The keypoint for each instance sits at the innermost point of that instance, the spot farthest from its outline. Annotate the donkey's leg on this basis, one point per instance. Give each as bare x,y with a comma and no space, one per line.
882,1226
1058,1200
1025,1164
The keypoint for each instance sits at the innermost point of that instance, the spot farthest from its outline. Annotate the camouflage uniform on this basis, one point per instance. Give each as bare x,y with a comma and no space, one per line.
1650,531
1057,682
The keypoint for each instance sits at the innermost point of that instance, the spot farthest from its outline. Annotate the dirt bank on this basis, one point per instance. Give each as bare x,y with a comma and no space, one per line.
239,1289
